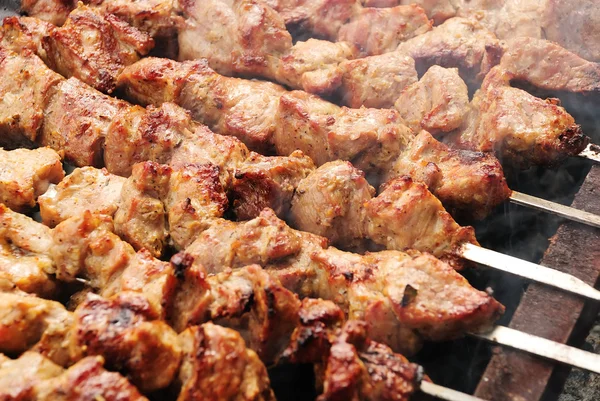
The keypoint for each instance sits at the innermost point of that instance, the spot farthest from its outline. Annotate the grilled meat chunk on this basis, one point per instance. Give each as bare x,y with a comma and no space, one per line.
27,85
548,66
98,62
394,25
53,11
330,202
314,65
437,103
25,261
34,377
376,81
76,121
520,128
26,174
211,348
461,43
469,183
21,34
268,182
141,218
86,188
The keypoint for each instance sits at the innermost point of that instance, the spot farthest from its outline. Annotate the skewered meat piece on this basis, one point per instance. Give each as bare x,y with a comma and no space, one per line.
33,377
303,264
26,174
69,50
86,188
437,103
123,331
24,253
52,11
518,127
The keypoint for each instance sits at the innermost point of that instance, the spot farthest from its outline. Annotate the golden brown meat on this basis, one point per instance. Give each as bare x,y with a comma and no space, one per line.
380,30
25,261
268,182
240,374
26,174
437,103
95,48
314,65
25,33
86,188
141,218
458,42
357,282
33,377
53,11
468,183
26,87
376,81
520,128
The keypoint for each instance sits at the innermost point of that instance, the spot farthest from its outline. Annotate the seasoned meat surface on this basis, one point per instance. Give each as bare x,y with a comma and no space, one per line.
25,33
27,86
381,30
26,174
263,182
211,348
376,81
53,11
86,188
25,261
437,103
94,47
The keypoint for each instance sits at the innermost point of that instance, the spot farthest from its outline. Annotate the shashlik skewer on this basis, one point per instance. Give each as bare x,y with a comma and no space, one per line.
89,131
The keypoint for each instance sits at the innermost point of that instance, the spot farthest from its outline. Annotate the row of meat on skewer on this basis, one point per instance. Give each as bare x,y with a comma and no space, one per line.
170,182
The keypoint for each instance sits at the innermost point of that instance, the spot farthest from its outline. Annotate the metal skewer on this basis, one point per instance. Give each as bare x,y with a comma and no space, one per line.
591,152
556,208
528,270
543,347
445,393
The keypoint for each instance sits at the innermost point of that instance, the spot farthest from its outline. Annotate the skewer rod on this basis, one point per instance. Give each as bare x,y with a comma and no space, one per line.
445,393
543,347
528,270
555,208
591,152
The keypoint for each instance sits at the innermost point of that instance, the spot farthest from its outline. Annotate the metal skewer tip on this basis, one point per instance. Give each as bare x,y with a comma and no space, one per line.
543,347
556,208
445,393
528,270
591,152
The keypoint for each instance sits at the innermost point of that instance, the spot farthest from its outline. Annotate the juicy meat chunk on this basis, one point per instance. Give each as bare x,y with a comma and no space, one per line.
376,81
467,182
438,102
86,188
330,202
20,377
546,65
123,331
26,87
407,216
141,218
237,37
25,261
268,182
76,122
358,368
53,11
94,47
261,240
518,127
20,34
380,30
26,174
457,43
195,199
314,65
237,372
370,138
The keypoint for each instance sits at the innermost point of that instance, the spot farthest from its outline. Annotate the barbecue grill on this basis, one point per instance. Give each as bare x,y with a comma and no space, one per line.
475,365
